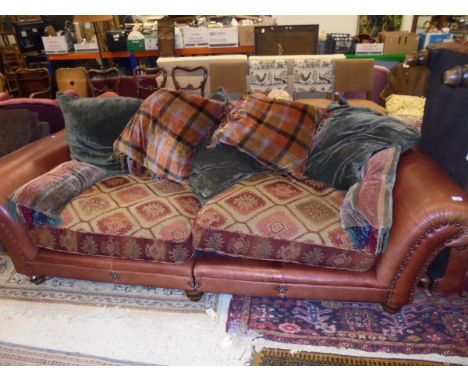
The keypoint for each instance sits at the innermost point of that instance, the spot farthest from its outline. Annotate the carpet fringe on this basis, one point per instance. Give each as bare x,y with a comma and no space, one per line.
259,344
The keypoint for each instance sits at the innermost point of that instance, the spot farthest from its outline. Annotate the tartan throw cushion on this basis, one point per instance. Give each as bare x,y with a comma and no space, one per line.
162,135
279,134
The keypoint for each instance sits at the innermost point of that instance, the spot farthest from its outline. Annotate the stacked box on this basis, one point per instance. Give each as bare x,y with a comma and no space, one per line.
399,42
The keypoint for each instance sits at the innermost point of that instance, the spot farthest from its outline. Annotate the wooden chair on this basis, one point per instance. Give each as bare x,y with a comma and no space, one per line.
73,79
33,83
103,80
146,80
12,60
185,69
3,84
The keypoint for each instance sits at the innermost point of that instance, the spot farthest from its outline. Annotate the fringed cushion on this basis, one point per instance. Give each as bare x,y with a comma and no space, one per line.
277,133
41,201
162,136
366,212
126,217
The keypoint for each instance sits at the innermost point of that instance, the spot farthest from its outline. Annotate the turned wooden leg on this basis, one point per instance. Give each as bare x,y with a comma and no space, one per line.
390,308
36,280
194,295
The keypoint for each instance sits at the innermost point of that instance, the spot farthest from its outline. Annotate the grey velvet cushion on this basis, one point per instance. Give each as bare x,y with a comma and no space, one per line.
216,169
93,124
348,138
18,127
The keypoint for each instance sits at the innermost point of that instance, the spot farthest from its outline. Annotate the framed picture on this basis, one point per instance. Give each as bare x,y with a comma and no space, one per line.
372,25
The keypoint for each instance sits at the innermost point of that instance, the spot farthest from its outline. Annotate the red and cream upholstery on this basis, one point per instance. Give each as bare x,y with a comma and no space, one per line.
126,217
272,217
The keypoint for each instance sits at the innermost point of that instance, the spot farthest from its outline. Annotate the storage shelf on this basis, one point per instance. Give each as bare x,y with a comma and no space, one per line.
126,54
380,57
203,51
152,53
74,56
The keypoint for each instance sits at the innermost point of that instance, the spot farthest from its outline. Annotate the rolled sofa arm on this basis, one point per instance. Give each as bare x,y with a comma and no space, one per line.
430,212
17,169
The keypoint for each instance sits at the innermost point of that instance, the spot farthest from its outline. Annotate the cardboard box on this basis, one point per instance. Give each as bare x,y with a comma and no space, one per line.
151,42
116,41
377,48
55,45
426,39
86,47
399,42
223,37
195,37
246,35
135,45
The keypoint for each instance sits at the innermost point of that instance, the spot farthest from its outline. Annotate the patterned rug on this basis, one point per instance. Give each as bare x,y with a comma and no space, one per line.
431,324
15,286
279,357
17,355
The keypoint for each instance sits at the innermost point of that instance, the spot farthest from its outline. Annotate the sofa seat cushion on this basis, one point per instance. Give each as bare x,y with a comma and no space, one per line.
272,217
126,217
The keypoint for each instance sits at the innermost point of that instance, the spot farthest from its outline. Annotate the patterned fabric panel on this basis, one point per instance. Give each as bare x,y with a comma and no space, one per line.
272,217
162,135
277,133
314,76
126,217
266,75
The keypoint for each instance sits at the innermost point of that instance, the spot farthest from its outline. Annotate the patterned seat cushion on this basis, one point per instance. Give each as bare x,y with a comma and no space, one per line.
273,217
126,217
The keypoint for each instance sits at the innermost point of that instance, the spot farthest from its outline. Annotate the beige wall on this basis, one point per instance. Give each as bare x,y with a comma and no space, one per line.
333,24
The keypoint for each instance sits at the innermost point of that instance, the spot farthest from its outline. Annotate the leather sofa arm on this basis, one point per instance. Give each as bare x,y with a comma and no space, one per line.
17,169
430,212
30,161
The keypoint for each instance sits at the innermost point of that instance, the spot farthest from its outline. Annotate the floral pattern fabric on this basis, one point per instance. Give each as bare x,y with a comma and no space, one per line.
274,217
126,217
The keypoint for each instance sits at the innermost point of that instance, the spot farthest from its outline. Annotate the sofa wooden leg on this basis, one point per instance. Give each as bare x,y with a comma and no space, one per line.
390,308
37,280
194,295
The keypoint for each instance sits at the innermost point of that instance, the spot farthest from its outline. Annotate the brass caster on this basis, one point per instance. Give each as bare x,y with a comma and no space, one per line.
390,309
425,281
37,280
194,295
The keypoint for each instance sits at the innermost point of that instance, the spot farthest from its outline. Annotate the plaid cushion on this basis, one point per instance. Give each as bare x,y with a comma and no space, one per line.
275,132
162,135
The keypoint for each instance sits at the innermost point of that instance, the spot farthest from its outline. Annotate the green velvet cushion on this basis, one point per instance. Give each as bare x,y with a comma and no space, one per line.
93,124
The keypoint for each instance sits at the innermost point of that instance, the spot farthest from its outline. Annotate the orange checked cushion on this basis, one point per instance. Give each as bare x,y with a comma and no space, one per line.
162,135
275,132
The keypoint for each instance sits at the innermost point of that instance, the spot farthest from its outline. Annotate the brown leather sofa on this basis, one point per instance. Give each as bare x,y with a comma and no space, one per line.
430,214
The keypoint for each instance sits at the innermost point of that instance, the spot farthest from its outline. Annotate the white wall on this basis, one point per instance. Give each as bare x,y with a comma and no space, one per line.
333,24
